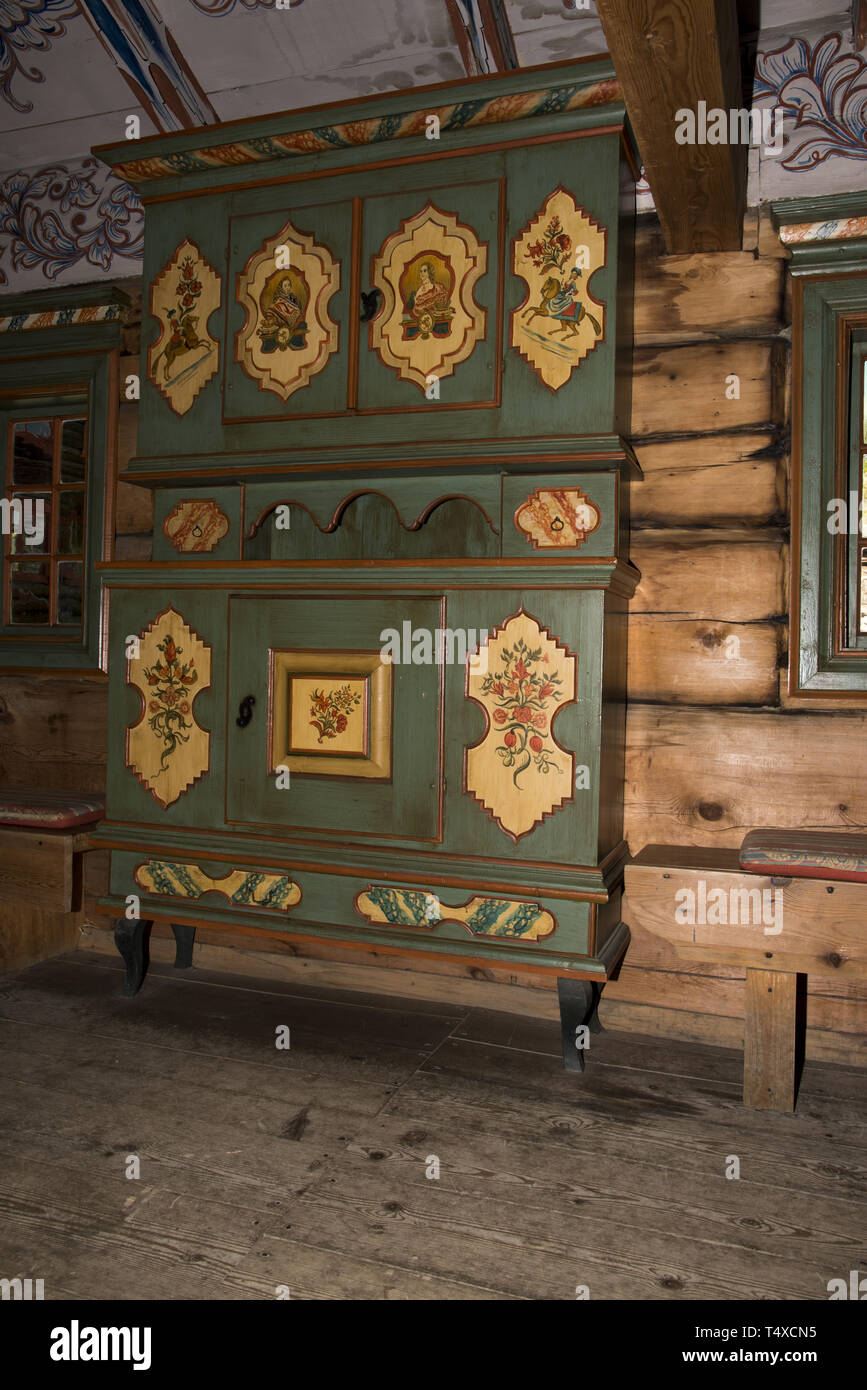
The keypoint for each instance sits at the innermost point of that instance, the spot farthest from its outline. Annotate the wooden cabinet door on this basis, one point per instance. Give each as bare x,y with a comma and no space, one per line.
358,742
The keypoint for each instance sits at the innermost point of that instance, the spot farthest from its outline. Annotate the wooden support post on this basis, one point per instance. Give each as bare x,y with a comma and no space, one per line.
770,1039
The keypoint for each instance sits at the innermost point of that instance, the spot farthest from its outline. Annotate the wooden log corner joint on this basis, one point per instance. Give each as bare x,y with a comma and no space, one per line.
377,695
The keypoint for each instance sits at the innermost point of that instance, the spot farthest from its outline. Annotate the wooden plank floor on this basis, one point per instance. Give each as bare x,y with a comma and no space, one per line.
307,1167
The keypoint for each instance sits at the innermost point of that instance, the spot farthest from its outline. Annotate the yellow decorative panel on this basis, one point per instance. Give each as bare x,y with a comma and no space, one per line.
196,525
518,772
426,271
330,713
185,356
559,321
246,887
552,518
508,918
289,335
166,749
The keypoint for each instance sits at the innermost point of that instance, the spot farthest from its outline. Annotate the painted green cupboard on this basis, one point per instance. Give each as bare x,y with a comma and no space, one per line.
370,688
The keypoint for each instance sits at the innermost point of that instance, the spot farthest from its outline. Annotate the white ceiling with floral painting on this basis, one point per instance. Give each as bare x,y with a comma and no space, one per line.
73,71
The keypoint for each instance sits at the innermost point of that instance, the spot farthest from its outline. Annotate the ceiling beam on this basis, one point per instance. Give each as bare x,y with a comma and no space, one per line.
484,36
671,55
150,61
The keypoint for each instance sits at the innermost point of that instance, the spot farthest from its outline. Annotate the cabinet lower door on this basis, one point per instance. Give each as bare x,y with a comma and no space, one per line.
322,735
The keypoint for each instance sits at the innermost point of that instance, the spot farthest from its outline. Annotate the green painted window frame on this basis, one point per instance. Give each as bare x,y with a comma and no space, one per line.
69,365
828,655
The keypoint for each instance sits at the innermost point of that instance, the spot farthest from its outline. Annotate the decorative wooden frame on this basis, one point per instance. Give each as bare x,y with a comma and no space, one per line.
454,250
172,303
375,761
538,248
488,774
196,525
829,313
385,904
308,333
186,747
537,518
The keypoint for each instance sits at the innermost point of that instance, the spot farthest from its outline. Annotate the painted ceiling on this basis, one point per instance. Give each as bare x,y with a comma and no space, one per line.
69,71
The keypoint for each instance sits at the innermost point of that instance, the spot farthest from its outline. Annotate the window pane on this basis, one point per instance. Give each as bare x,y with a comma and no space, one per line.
72,451
29,592
68,593
32,453
34,525
70,529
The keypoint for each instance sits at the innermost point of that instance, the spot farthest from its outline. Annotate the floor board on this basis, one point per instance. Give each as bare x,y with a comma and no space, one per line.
311,1167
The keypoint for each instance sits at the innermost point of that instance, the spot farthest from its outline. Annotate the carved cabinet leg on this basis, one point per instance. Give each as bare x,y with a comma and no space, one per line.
579,1002
129,940
184,940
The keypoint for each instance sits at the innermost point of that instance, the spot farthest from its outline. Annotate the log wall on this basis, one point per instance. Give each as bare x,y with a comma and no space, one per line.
714,746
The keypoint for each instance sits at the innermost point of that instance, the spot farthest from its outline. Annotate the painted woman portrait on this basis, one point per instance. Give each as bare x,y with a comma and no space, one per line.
426,288
282,304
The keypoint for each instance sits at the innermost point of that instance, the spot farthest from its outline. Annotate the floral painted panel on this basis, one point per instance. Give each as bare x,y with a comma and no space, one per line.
247,887
166,749
75,218
427,271
329,716
821,89
185,356
289,335
559,321
518,772
501,917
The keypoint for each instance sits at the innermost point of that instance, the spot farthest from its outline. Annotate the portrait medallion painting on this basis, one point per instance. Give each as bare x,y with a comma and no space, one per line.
426,272
185,356
289,334
330,713
559,322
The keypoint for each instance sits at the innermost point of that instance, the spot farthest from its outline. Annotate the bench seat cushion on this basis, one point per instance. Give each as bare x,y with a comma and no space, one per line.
49,810
806,854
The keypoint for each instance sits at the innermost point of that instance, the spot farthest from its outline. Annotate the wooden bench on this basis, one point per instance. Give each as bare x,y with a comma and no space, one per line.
44,836
800,904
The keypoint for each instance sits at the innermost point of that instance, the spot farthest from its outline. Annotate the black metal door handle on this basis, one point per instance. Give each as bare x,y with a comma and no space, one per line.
245,711
370,304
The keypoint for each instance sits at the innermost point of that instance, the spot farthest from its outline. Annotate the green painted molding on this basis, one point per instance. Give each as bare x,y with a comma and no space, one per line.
619,576
575,453
832,207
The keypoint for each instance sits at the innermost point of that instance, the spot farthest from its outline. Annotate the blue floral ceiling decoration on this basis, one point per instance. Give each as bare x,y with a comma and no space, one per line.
28,26
825,90
59,218
225,6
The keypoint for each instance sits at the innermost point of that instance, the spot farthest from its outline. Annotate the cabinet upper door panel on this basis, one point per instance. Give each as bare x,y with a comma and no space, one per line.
432,258
287,340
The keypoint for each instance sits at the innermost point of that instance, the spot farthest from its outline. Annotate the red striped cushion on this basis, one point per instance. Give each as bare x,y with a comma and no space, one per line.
49,810
806,854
